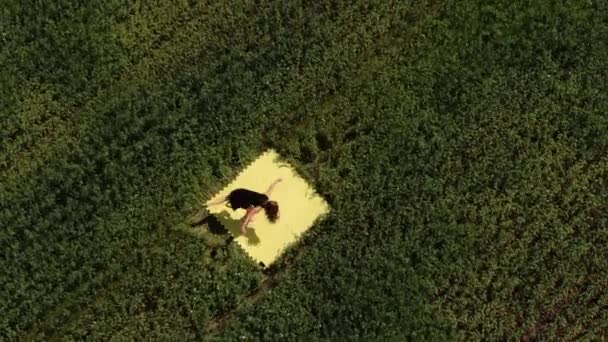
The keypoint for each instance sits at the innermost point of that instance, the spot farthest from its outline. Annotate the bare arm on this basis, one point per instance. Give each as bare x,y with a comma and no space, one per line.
271,187
250,213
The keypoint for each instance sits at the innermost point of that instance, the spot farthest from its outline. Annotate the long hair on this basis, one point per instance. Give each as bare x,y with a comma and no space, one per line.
271,208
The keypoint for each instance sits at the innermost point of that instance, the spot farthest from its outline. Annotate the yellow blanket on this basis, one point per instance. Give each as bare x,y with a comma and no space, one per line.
299,208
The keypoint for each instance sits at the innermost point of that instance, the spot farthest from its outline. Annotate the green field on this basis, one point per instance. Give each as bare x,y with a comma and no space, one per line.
462,146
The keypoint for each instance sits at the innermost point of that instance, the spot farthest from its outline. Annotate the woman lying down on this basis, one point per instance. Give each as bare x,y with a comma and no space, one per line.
252,202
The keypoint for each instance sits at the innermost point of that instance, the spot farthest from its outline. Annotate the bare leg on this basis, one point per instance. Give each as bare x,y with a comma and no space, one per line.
218,202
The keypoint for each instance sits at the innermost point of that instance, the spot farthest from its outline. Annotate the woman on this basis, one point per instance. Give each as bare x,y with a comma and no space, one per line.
253,202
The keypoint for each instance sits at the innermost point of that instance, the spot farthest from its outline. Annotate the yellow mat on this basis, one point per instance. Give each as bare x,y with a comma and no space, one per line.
299,208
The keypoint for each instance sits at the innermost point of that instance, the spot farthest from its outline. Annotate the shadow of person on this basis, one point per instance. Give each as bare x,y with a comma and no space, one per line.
234,227
213,224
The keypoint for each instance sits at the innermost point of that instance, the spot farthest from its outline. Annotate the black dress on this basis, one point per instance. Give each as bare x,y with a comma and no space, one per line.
243,198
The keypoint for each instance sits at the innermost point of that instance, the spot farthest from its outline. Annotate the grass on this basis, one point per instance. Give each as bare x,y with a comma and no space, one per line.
461,146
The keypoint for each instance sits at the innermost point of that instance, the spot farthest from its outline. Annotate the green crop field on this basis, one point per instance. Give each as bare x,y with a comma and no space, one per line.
462,147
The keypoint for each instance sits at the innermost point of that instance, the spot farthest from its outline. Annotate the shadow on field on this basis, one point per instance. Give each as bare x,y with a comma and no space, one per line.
227,224
214,225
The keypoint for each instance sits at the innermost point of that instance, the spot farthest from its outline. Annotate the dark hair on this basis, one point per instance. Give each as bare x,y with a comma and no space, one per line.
272,210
